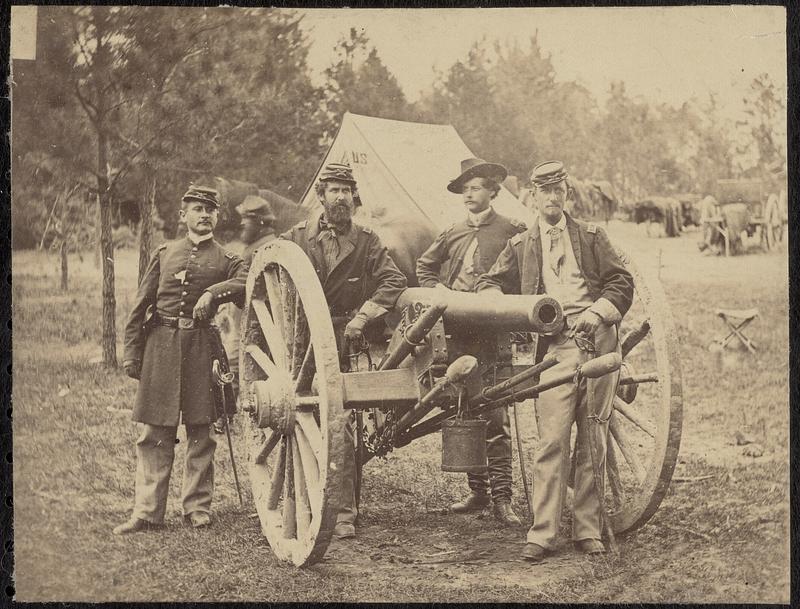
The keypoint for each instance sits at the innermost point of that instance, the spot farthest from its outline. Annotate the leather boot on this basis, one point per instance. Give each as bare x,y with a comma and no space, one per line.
135,525
474,502
505,515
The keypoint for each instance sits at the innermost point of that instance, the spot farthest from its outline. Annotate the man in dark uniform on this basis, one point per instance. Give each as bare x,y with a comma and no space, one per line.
256,230
359,278
457,257
575,263
171,354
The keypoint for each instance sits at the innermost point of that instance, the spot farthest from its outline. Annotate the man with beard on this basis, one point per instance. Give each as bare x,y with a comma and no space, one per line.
360,281
169,348
575,263
456,258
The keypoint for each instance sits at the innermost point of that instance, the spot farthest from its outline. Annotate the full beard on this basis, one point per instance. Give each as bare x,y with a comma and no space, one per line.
339,215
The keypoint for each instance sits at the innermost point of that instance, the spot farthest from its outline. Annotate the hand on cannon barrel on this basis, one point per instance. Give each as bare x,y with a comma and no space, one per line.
204,307
133,368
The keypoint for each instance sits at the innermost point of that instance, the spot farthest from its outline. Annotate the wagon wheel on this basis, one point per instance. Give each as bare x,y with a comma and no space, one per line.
292,388
644,435
772,229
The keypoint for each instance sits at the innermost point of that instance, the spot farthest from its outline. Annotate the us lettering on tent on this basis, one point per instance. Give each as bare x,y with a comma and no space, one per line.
354,158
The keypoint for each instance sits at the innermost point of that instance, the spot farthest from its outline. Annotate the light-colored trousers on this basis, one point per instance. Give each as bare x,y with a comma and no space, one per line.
348,511
556,410
155,453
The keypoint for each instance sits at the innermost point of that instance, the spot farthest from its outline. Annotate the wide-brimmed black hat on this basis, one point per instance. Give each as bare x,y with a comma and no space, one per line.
548,172
477,168
203,194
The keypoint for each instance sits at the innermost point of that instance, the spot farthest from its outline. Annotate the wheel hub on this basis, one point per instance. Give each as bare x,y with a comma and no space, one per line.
273,404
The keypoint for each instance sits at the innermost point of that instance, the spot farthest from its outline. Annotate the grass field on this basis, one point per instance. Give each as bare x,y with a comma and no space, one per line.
721,535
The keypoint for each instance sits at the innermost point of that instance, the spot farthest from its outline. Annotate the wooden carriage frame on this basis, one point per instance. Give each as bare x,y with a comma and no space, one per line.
296,396
764,214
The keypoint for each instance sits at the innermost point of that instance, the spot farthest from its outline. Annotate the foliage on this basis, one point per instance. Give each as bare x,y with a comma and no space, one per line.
764,126
188,94
360,83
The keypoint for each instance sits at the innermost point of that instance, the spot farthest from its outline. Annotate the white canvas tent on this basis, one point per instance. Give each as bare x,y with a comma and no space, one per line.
403,169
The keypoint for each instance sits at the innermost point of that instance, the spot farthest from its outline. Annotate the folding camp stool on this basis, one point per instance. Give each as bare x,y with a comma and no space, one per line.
736,321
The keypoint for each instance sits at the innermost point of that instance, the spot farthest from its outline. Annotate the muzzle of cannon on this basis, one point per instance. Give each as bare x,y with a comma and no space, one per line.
489,311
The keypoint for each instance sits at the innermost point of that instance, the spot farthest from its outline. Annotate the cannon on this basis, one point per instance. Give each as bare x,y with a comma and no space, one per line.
449,357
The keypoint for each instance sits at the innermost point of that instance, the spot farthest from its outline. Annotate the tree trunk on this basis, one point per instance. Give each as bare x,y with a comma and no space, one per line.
97,236
146,225
64,269
107,253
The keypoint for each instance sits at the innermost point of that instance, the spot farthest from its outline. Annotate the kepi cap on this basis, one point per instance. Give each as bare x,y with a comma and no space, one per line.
203,194
548,172
337,171
256,207
477,168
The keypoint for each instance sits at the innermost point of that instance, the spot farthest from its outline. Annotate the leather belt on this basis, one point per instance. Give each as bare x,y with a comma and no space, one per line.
182,323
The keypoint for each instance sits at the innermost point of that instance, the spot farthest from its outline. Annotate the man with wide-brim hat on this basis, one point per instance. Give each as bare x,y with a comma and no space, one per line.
575,263
361,284
477,168
456,258
170,345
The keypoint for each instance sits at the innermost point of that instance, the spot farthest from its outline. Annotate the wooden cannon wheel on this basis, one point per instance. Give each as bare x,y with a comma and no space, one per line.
772,229
291,386
644,435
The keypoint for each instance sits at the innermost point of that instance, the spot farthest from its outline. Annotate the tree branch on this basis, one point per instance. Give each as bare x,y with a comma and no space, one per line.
89,107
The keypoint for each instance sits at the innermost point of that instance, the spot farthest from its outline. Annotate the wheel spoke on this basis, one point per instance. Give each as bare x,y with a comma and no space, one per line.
627,449
312,432
289,508
276,483
303,506
305,374
263,360
271,331
272,281
301,340
310,468
289,304
612,469
630,413
266,448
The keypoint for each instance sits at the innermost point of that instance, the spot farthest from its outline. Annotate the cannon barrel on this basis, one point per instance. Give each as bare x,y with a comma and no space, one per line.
490,310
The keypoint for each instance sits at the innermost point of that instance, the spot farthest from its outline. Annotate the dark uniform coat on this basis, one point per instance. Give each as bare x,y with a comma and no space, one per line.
443,260
363,271
518,269
176,363
250,249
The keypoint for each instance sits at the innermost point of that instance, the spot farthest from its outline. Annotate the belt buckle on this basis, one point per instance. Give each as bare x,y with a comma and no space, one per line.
185,323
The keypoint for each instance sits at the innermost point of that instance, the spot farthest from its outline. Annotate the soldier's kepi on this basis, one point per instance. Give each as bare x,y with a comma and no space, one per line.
575,263
256,230
360,281
171,353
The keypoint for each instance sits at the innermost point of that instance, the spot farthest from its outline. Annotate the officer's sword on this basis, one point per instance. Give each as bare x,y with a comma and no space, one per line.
226,378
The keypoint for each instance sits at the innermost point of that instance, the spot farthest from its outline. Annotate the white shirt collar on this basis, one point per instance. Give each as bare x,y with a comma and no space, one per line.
197,239
480,216
544,226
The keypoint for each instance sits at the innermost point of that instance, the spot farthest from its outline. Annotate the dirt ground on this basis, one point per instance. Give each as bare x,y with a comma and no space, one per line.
720,535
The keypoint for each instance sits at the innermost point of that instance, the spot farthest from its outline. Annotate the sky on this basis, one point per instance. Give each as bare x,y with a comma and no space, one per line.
664,54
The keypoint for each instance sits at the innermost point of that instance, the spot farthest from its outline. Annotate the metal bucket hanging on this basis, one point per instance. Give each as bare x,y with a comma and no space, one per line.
464,445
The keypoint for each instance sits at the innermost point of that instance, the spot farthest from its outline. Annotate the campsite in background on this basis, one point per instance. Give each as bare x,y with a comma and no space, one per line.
119,109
